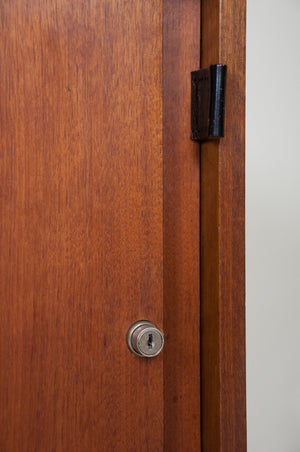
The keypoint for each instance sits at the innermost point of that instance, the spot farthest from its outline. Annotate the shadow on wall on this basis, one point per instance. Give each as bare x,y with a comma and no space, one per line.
273,226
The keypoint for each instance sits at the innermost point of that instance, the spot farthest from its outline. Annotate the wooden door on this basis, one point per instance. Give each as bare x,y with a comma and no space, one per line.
103,200
99,225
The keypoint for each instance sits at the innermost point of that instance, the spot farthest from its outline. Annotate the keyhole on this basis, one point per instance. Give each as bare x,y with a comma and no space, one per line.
150,341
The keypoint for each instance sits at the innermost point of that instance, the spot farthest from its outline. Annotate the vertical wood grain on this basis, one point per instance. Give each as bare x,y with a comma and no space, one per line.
181,53
223,390
81,202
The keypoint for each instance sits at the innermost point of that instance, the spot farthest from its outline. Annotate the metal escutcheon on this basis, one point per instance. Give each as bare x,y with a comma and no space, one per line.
144,339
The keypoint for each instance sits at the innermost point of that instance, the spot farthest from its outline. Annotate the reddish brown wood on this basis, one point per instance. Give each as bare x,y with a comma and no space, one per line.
181,49
222,239
81,236
94,231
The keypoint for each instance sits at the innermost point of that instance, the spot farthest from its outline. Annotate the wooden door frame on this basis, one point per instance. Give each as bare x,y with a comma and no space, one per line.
222,239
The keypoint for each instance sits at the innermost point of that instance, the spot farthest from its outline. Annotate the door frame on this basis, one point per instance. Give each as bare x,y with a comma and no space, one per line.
222,238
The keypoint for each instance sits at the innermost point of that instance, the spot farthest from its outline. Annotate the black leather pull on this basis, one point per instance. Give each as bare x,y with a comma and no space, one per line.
208,102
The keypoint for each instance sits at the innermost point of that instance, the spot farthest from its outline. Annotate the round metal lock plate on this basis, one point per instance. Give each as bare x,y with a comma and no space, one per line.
145,339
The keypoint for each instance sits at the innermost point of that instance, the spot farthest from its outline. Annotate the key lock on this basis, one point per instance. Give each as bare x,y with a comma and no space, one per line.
144,339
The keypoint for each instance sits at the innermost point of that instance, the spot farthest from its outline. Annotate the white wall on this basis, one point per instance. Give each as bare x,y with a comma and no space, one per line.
273,225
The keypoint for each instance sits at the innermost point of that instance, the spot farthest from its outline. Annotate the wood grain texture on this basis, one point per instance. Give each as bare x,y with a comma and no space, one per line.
222,239
81,202
181,53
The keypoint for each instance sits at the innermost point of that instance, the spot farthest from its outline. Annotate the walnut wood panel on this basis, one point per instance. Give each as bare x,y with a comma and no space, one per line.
81,224
222,239
181,53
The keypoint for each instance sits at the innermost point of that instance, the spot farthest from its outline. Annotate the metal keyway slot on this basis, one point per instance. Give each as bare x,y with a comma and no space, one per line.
145,339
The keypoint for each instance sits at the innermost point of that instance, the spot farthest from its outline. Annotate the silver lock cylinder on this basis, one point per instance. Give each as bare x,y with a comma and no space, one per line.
145,339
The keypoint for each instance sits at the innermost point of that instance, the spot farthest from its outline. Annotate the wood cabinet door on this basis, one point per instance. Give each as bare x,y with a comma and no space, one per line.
99,202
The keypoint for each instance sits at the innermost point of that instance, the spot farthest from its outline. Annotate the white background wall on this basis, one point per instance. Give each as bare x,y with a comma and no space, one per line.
273,225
